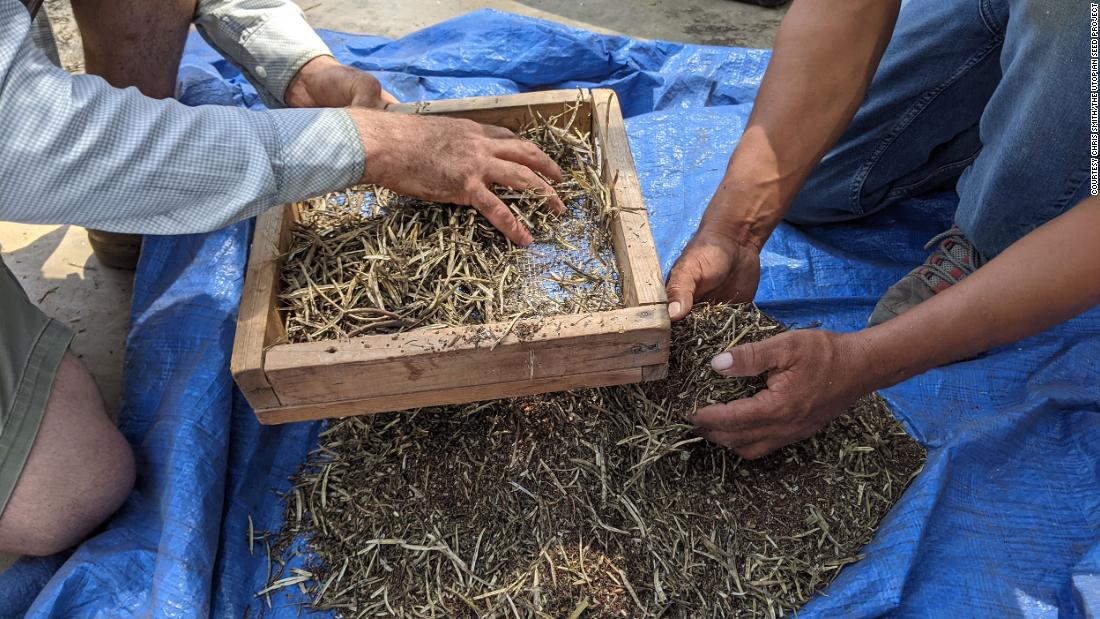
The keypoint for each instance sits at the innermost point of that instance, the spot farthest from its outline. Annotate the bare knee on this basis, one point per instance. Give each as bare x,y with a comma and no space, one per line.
78,473
135,42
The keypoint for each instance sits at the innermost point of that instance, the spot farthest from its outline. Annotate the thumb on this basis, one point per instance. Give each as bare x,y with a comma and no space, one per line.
752,359
680,291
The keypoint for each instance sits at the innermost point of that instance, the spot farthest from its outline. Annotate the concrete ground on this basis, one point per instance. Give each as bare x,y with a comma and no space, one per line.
710,22
55,263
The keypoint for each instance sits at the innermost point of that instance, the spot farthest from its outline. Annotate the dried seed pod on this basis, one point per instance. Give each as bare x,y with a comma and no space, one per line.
593,503
368,251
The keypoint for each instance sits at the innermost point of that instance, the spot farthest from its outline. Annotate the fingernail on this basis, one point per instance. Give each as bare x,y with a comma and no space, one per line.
722,361
674,308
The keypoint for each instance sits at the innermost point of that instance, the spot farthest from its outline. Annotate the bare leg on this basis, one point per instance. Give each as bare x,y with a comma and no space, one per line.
132,43
79,471
135,42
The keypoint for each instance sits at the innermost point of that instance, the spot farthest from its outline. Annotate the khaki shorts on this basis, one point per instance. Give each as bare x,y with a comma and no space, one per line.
31,348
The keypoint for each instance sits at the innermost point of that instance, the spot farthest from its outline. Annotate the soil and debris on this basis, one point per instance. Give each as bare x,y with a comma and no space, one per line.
592,503
368,261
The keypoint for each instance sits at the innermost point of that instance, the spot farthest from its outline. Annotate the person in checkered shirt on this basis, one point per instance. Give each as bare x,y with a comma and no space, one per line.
112,151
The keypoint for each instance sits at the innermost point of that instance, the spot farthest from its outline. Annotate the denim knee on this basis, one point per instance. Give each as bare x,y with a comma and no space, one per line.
823,200
1050,22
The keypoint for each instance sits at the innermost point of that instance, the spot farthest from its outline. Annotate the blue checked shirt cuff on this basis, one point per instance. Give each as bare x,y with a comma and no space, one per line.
315,151
268,40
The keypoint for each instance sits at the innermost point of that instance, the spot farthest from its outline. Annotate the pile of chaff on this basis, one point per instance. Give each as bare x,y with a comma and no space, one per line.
368,261
594,503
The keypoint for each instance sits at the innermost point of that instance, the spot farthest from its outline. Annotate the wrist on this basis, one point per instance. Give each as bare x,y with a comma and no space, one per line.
748,204
757,189
743,212
882,358
376,138
298,90
865,353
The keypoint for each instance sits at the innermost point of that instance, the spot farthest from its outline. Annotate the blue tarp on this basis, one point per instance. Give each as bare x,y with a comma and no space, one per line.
1003,522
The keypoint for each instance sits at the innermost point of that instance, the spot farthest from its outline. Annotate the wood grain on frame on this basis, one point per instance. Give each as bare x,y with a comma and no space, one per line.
635,250
510,111
459,395
484,355
259,323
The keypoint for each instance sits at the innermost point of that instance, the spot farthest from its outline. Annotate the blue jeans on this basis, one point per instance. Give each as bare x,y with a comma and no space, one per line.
988,95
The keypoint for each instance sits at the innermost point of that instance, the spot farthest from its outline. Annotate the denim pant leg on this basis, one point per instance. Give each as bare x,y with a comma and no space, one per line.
917,129
1035,129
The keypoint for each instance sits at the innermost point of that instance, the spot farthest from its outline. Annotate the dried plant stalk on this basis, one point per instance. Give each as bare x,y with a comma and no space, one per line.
593,503
367,261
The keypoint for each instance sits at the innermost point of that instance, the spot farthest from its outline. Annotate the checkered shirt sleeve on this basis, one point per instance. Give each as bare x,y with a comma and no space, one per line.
268,40
77,151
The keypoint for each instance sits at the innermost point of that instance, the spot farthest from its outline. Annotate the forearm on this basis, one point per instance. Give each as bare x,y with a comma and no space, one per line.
268,40
825,55
1043,279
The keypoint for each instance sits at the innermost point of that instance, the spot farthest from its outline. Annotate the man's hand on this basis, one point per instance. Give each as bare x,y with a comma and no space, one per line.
456,161
713,266
324,82
825,55
813,377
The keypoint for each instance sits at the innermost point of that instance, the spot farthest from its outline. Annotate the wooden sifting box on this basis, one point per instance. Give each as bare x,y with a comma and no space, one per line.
427,367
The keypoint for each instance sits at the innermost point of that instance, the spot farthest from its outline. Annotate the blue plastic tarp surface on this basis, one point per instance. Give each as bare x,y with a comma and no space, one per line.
1003,522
